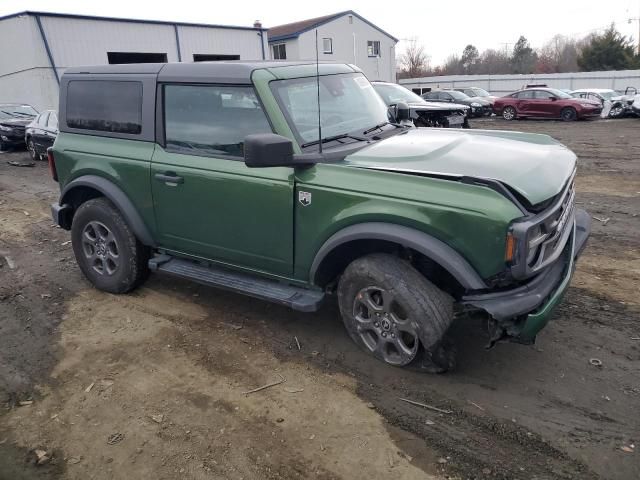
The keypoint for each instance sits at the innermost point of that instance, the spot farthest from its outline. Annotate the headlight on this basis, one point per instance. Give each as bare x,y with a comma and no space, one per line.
476,104
587,105
5,129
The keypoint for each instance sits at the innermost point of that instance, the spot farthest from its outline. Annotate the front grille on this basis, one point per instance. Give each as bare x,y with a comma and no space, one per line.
552,234
542,237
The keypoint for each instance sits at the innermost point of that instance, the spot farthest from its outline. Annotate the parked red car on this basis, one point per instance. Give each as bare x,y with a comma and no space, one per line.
545,103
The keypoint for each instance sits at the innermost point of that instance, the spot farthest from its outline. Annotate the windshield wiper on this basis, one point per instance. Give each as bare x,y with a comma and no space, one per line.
376,127
380,125
335,137
8,113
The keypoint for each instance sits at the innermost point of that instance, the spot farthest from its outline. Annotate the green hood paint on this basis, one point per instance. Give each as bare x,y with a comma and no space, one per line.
536,166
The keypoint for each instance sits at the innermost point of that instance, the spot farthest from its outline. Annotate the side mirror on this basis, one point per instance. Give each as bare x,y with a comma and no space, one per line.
402,112
267,150
553,99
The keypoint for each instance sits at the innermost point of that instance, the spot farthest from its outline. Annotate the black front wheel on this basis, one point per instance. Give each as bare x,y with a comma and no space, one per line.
393,312
107,251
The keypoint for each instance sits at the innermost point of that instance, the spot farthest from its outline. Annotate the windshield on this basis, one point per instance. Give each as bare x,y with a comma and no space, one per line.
392,94
458,95
608,94
558,93
17,111
348,104
477,92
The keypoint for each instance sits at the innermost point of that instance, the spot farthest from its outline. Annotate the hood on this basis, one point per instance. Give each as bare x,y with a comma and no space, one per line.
437,106
536,166
481,100
16,121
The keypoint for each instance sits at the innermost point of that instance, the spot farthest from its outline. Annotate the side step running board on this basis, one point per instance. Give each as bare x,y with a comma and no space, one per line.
297,298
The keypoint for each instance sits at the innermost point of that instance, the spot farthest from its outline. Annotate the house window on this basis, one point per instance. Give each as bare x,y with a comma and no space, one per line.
280,51
327,45
373,48
350,19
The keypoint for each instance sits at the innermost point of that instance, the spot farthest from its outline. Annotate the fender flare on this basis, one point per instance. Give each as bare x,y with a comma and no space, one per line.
118,198
430,247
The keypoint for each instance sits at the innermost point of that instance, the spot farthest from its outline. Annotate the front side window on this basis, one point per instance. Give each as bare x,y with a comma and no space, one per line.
348,103
327,45
280,51
105,105
42,119
373,48
211,120
543,95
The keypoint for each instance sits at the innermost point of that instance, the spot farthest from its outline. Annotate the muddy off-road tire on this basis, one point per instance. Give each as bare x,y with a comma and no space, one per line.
392,311
107,251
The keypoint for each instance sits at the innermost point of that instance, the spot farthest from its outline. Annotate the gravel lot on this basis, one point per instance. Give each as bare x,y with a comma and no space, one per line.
166,366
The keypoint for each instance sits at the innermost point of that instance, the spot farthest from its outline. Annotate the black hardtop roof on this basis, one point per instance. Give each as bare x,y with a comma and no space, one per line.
233,71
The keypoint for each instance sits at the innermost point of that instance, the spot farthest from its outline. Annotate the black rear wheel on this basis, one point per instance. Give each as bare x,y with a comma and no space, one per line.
107,251
568,114
391,311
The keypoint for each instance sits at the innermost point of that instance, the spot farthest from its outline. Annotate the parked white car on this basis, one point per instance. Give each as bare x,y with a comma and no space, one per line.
613,104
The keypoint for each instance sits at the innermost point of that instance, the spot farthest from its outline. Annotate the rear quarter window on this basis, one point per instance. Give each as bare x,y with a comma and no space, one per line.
105,106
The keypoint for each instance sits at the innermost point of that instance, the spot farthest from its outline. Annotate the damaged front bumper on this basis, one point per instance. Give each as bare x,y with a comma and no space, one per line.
520,313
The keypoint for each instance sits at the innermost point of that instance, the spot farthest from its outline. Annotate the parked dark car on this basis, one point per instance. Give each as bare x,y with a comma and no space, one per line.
478,107
477,92
41,133
423,113
14,118
545,103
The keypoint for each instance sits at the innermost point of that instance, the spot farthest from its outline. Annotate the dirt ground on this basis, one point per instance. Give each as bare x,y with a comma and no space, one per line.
152,384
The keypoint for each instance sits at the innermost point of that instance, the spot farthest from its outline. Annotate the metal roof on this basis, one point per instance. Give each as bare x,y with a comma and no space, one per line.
293,30
127,20
235,71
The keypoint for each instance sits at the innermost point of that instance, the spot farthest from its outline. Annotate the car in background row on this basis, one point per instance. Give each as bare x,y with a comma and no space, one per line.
477,92
545,103
613,103
14,118
423,113
41,133
478,107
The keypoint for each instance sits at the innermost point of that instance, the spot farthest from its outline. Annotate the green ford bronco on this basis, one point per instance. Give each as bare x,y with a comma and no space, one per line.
225,173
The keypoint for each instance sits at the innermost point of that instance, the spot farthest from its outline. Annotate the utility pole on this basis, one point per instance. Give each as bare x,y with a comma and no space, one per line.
637,20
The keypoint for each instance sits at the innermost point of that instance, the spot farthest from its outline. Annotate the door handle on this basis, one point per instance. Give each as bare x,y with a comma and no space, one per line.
169,177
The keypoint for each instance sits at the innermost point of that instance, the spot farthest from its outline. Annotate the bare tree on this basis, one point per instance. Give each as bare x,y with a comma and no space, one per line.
414,62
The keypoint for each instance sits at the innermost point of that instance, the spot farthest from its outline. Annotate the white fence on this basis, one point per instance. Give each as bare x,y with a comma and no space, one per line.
503,84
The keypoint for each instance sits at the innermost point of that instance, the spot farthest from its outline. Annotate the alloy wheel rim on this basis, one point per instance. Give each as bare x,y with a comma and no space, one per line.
100,248
508,113
384,326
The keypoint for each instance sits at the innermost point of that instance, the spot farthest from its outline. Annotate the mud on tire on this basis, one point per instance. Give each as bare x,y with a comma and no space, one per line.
107,251
392,311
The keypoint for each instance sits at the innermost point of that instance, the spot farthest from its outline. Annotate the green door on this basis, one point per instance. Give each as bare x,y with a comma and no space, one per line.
208,204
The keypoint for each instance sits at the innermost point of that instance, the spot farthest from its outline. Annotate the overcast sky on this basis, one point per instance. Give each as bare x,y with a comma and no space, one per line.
443,29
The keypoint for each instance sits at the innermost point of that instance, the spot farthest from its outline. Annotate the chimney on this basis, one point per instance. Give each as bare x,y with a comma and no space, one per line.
257,24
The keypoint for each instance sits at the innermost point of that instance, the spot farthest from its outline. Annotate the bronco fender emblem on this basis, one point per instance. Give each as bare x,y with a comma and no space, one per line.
304,198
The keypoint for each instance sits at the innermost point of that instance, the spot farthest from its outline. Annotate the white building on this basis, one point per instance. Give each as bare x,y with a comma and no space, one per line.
38,46
342,37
